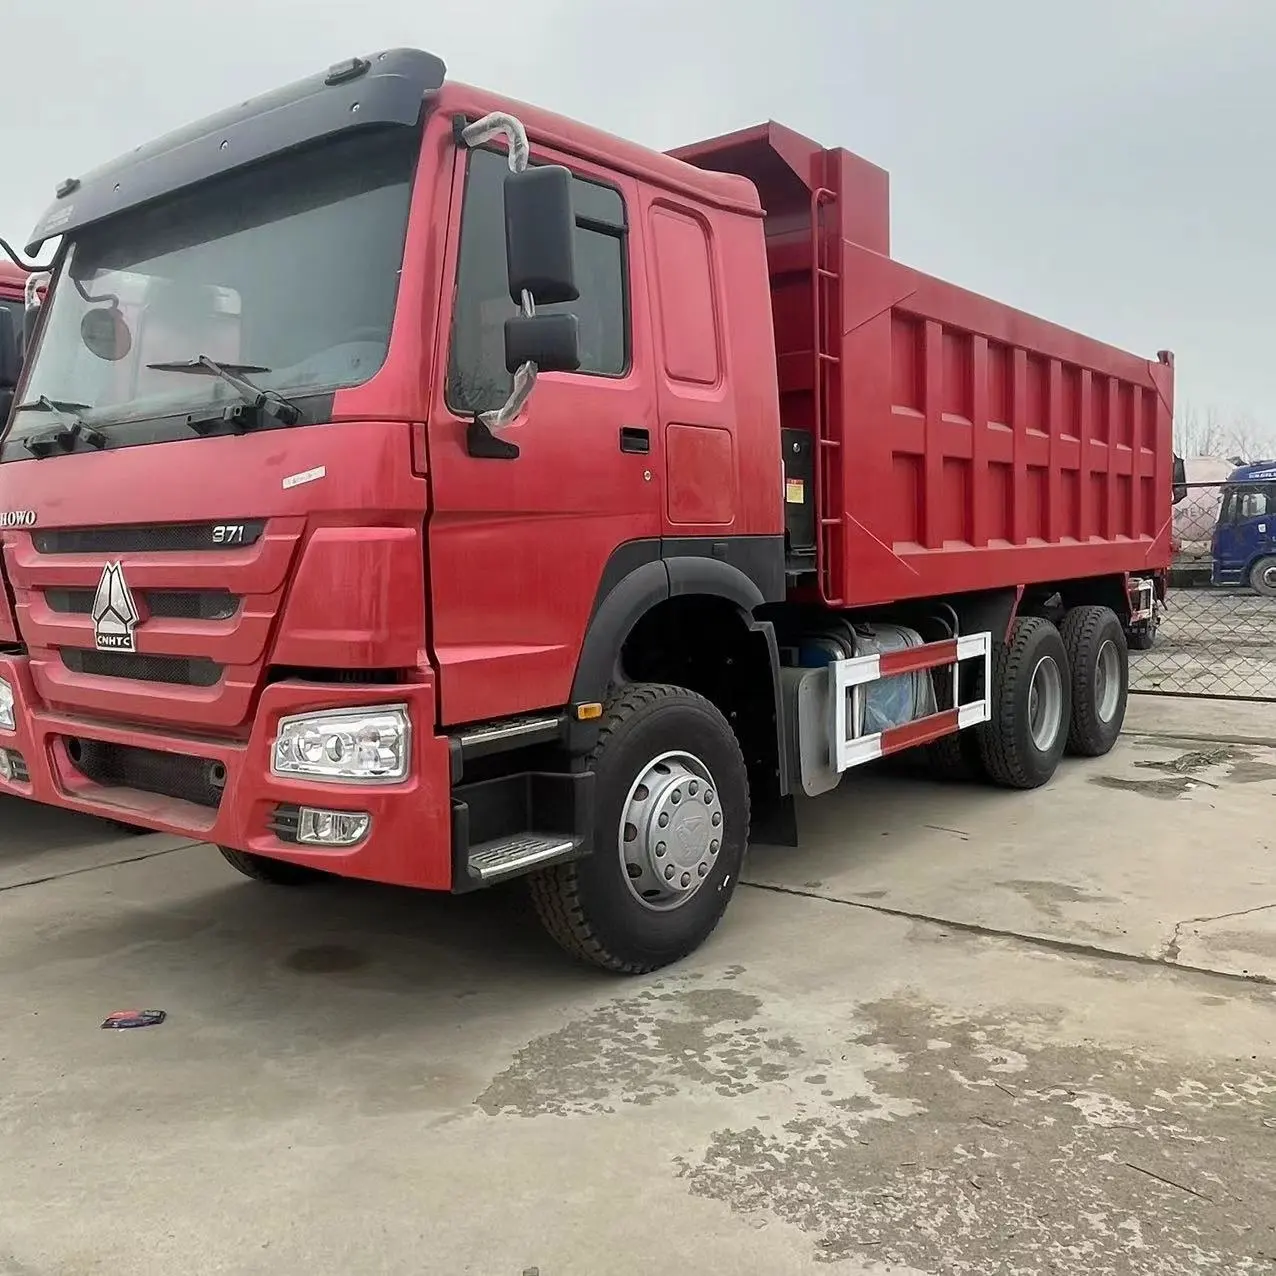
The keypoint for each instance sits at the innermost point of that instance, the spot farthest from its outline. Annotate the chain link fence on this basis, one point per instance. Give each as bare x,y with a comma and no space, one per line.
1217,631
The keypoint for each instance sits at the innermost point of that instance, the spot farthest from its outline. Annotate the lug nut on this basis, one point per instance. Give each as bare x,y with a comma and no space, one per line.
663,821
686,879
669,873
717,818
693,788
661,848
713,847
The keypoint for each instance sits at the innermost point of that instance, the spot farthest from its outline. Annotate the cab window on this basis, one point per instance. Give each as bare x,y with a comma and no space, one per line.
477,378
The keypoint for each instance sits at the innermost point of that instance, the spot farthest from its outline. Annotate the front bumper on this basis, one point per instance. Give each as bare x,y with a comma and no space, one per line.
409,841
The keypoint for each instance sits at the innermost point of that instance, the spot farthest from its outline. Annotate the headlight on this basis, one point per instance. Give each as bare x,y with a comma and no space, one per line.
6,706
368,746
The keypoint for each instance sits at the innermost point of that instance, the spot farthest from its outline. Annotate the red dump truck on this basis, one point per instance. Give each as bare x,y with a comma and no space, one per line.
413,485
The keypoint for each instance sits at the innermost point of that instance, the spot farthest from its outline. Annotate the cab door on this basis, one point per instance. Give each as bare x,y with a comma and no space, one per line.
1245,531
519,547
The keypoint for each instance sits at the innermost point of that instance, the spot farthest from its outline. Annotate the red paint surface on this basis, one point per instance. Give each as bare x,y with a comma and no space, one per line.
963,444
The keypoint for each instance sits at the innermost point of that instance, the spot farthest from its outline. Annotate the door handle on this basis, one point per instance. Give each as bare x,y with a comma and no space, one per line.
633,438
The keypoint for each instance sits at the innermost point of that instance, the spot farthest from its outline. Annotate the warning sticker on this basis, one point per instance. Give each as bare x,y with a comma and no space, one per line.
794,491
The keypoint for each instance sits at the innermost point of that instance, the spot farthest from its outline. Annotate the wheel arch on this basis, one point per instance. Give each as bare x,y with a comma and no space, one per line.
690,620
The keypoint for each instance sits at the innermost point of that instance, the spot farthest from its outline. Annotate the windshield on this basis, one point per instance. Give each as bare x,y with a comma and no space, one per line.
291,268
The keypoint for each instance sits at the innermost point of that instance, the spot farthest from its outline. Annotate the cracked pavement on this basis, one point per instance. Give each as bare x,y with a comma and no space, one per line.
957,1031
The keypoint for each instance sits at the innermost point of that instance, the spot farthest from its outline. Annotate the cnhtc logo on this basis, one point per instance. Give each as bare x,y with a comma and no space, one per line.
114,611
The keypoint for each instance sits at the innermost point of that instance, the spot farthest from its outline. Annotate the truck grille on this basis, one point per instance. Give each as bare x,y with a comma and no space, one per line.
165,538
170,604
207,595
182,671
173,775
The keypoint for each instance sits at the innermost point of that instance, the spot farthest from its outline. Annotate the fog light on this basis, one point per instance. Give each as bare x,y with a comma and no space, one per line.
317,827
6,706
6,766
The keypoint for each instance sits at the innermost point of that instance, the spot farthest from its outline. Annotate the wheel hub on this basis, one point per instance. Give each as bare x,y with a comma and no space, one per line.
1107,681
670,830
1045,703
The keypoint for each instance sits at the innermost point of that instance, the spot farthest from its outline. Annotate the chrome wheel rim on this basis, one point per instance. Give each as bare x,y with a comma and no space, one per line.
670,834
1045,703
1269,576
1107,681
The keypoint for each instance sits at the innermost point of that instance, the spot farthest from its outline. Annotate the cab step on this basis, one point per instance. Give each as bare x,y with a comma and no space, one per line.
508,856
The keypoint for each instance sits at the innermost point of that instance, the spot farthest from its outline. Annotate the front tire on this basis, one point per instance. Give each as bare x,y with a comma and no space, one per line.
1262,577
261,868
1031,704
1099,664
670,832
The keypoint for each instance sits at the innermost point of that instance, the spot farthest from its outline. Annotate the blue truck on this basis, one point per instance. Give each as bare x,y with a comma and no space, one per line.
1243,549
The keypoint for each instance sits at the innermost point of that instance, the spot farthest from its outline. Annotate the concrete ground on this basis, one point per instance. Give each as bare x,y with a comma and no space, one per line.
958,1031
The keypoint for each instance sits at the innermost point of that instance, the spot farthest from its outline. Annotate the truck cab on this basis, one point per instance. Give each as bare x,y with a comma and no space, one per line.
1243,547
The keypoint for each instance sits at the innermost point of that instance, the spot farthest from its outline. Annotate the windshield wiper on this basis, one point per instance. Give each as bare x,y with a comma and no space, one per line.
64,407
235,374
64,436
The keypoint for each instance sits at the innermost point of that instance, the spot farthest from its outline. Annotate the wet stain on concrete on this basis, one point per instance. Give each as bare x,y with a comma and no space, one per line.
984,1151
1250,771
1168,789
1049,897
1194,760
1183,773
639,1049
325,959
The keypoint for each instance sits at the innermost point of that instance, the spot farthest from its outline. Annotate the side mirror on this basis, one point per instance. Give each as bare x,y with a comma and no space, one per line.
10,351
540,235
551,342
1180,480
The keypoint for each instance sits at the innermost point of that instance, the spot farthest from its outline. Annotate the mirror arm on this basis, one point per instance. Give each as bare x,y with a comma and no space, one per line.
481,131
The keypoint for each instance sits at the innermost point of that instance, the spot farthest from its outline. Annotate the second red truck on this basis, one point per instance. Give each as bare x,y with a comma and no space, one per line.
379,503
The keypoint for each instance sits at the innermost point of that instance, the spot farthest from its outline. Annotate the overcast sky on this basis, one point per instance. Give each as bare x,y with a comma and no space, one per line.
1107,165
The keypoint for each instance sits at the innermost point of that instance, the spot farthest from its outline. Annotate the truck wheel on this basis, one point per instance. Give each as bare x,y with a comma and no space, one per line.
1144,637
1031,704
1262,576
1100,667
261,868
955,758
670,830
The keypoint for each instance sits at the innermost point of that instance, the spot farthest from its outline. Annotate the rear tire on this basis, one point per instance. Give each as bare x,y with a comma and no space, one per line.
954,759
1099,664
1262,577
1030,703
637,903
261,868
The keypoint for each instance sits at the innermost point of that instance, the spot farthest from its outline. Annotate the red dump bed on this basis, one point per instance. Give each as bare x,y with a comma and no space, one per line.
961,444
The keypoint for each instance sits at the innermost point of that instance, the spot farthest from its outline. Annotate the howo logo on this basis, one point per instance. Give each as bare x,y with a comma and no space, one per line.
114,611
17,518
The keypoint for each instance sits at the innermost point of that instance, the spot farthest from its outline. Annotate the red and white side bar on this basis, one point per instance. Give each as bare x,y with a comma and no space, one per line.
847,679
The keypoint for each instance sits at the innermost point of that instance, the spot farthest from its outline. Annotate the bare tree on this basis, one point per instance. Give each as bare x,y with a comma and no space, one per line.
1198,433
1205,433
